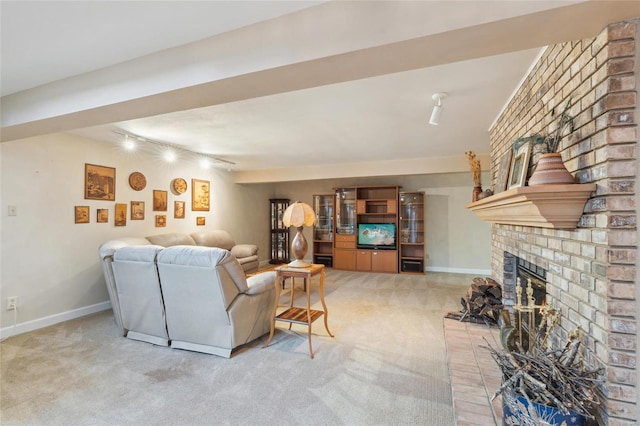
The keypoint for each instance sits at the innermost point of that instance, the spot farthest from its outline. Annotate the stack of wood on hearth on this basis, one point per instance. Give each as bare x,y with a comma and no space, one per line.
481,304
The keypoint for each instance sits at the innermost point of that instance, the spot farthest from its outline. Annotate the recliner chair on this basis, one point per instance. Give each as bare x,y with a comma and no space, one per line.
210,305
138,287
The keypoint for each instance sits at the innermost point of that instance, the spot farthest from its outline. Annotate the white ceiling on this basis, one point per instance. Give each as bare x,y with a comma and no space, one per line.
283,89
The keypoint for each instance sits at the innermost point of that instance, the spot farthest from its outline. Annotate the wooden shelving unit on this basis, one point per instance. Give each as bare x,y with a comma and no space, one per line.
279,232
364,205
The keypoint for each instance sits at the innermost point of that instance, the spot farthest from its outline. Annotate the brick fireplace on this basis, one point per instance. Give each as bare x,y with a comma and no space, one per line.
591,270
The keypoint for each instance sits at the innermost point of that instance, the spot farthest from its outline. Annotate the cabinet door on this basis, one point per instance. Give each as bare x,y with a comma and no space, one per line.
363,260
323,207
344,259
392,206
384,261
345,209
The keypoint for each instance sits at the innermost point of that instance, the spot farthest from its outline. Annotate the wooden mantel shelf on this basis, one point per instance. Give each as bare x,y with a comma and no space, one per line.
542,206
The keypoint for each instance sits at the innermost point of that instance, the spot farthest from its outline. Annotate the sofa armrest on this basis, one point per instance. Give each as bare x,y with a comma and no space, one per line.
244,250
261,282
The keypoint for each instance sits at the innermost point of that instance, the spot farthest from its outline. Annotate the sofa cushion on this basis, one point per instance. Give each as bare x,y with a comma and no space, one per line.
215,238
244,250
173,239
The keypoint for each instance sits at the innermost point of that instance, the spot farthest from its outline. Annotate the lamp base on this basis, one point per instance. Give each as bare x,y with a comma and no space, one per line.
299,249
299,263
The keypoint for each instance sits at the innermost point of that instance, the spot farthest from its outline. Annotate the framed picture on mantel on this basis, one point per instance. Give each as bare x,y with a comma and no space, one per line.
519,165
504,167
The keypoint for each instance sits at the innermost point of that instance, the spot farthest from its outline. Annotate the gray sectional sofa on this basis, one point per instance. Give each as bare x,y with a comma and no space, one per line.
183,291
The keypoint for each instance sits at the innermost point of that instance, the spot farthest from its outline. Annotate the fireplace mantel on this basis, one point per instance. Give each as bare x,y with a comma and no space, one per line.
542,206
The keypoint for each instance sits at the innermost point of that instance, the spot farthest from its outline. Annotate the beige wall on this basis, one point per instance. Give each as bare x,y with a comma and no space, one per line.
52,264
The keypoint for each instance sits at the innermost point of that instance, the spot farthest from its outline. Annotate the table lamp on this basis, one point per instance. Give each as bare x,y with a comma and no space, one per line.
299,214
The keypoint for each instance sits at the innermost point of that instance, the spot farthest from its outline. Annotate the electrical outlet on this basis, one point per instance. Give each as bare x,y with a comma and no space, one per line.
12,303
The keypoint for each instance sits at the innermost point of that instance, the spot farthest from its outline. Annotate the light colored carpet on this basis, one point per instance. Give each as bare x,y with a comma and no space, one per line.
386,365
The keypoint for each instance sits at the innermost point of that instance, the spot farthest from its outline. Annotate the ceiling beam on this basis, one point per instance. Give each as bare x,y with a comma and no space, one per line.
508,35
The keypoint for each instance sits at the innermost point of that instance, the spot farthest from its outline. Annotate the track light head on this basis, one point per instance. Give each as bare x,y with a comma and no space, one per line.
128,143
437,109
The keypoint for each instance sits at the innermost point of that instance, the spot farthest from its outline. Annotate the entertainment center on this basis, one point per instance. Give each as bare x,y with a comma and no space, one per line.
360,229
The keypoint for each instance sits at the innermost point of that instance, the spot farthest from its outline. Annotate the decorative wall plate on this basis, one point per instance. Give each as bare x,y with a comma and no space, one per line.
179,185
137,181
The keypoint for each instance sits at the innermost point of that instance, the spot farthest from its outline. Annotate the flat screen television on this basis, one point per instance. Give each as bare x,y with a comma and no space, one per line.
379,236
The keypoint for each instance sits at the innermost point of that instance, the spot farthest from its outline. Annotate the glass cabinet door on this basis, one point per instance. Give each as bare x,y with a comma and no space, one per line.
411,218
323,207
323,230
346,211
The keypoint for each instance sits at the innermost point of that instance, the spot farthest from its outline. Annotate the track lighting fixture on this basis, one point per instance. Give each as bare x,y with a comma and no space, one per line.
171,152
437,109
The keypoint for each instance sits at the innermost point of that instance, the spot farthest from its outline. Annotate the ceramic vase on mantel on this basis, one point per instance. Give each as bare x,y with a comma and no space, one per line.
551,171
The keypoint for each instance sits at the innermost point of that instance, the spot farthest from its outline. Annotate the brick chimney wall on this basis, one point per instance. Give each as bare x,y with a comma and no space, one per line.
591,270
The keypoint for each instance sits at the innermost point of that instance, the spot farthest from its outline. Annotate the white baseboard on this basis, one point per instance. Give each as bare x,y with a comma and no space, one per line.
53,319
483,272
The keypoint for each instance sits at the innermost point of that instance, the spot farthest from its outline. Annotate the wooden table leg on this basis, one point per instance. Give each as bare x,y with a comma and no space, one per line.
307,287
324,306
279,283
292,290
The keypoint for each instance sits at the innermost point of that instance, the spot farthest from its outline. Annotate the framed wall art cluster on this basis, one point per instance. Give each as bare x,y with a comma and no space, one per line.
100,184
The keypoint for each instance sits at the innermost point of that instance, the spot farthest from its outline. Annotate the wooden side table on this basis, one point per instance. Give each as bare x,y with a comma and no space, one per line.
298,315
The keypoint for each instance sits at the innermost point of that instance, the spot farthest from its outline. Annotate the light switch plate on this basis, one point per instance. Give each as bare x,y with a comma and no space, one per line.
13,211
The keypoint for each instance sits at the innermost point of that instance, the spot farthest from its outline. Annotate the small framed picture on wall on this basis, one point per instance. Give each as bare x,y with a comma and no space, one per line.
161,220
121,214
200,220
159,201
82,214
137,210
178,209
200,195
103,215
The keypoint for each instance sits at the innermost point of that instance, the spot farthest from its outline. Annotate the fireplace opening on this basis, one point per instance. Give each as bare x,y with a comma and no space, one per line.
518,268
538,277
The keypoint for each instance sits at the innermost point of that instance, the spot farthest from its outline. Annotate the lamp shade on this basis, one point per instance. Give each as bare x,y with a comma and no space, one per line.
298,214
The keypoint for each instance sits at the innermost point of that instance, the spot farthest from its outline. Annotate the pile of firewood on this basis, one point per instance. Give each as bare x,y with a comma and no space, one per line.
559,378
481,304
